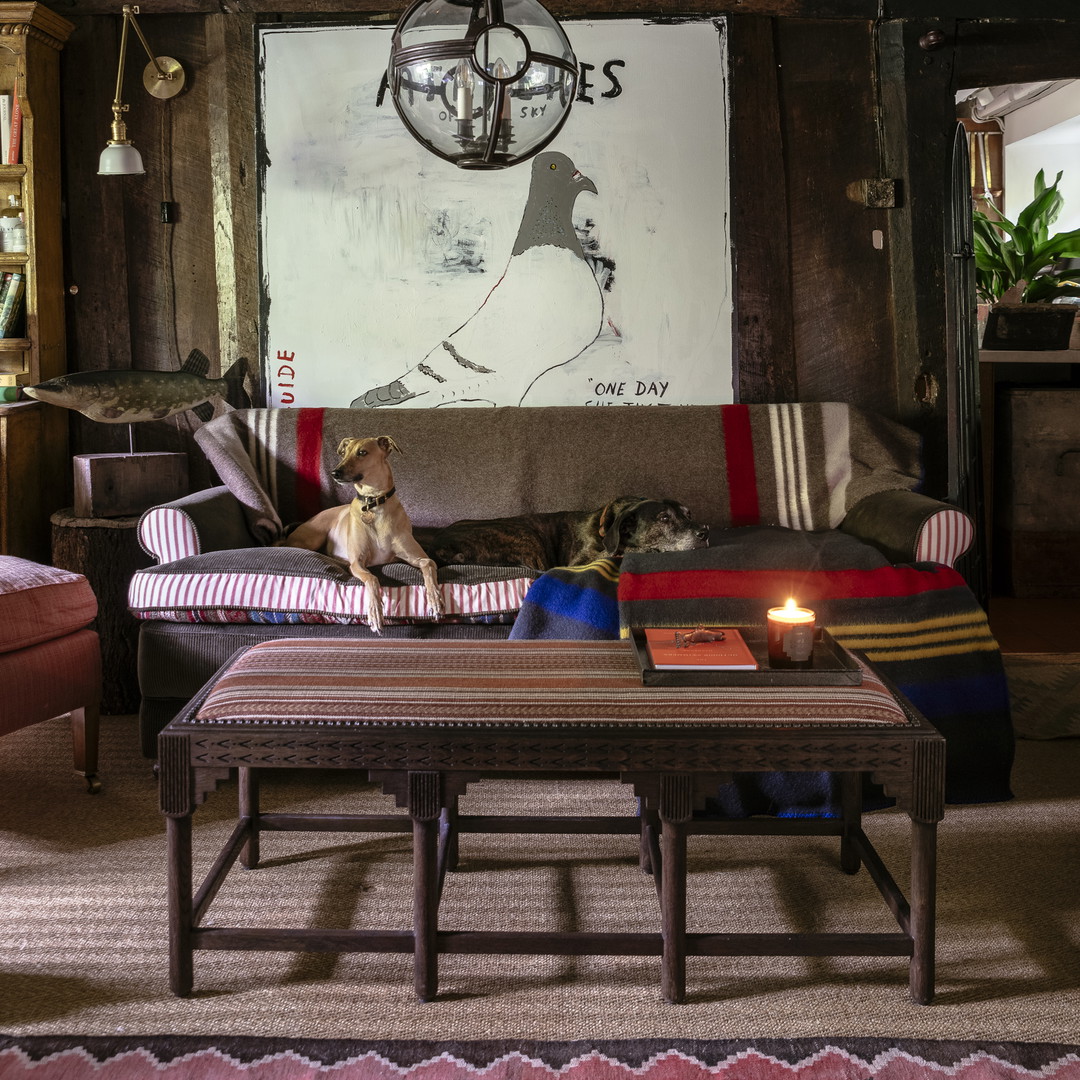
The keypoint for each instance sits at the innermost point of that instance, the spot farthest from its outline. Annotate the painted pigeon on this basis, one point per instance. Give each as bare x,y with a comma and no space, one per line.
544,311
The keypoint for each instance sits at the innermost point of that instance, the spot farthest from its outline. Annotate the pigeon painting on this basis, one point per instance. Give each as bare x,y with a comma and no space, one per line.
544,310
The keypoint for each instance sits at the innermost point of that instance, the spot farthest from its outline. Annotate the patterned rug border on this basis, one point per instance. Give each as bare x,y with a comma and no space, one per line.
870,1057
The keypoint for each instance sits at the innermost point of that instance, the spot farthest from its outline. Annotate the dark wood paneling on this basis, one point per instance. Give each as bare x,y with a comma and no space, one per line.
989,53
142,294
764,360
840,281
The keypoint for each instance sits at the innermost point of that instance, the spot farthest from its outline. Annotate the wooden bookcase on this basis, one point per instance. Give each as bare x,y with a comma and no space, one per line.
33,436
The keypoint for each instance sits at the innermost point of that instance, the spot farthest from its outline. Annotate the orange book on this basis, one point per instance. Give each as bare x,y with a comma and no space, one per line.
676,648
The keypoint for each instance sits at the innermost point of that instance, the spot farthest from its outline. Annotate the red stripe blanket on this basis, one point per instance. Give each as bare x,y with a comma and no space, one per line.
919,625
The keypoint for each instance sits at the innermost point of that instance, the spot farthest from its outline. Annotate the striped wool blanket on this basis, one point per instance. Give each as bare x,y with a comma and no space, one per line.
919,625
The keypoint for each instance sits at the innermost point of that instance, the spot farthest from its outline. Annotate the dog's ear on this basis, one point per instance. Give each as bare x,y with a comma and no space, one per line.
613,535
388,444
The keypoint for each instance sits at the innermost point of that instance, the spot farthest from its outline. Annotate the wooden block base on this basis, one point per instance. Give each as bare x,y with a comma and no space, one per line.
118,485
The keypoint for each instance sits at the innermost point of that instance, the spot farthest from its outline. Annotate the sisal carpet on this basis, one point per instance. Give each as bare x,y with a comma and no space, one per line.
83,947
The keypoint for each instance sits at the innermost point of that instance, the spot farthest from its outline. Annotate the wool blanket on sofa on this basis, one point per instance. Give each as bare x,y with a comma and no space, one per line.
919,624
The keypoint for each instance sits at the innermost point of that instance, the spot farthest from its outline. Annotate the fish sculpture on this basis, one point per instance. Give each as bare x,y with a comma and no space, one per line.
129,397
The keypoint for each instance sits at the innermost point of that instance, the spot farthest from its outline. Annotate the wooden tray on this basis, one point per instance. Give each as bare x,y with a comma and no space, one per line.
833,665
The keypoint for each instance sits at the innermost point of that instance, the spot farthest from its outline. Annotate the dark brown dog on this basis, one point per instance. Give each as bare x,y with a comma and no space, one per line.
567,537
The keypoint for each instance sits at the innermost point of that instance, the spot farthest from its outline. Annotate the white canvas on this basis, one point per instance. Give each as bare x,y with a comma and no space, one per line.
374,250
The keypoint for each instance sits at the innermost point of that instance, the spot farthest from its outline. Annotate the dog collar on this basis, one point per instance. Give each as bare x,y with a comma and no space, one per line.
375,500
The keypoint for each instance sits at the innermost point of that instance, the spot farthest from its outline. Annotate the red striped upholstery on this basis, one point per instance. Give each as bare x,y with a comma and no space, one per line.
541,683
289,585
49,679
944,537
168,533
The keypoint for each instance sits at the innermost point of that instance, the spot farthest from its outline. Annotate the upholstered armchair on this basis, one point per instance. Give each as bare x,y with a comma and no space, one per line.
50,661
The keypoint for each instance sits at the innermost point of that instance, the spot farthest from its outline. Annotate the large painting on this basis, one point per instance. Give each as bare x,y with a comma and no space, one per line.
596,273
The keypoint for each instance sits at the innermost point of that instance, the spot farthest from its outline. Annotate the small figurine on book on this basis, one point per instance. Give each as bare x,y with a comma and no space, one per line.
705,648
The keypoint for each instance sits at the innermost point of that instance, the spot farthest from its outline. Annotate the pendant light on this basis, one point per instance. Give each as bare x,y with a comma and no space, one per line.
483,84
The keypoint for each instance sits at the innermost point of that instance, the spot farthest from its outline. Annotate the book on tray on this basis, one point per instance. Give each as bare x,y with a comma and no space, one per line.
707,648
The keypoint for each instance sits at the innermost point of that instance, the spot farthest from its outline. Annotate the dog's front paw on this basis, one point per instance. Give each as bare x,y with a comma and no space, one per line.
436,604
374,607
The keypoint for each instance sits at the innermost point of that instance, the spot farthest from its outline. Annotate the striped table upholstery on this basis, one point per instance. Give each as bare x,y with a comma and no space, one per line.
598,683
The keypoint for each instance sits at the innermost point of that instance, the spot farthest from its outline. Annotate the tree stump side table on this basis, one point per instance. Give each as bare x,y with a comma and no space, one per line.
106,551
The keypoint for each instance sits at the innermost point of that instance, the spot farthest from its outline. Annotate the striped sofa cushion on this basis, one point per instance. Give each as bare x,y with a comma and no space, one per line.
289,585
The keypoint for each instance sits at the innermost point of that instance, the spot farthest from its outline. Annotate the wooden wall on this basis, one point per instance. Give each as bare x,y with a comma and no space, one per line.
835,299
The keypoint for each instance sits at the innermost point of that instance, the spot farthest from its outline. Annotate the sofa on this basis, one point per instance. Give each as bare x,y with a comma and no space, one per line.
826,471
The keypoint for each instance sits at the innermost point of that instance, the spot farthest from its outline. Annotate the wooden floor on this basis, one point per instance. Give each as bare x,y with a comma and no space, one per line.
1028,626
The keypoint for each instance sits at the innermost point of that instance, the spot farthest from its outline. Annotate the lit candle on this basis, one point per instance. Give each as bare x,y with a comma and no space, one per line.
791,636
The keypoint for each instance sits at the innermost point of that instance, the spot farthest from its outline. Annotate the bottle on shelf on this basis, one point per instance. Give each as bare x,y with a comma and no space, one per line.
12,226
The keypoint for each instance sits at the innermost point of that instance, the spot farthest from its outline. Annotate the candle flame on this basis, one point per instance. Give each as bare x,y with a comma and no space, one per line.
790,605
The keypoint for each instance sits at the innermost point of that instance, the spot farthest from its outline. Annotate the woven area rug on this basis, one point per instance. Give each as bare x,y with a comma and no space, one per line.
84,946
644,1059
1045,693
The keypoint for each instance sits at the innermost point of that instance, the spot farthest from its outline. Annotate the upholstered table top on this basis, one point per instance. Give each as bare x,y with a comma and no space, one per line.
542,683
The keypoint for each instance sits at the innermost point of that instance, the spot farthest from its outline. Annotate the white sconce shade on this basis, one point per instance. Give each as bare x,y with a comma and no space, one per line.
120,159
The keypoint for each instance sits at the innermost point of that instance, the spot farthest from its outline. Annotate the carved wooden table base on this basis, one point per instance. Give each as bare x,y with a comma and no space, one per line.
532,710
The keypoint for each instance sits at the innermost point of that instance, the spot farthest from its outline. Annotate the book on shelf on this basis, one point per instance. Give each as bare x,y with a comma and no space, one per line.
6,100
13,378
11,302
702,647
15,134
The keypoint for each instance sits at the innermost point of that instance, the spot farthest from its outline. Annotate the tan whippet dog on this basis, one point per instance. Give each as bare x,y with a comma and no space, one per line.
371,530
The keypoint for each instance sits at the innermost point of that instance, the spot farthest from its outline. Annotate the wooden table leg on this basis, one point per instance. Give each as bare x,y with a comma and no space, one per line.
673,911
923,906
181,955
676,809
425,808
851,803
248,787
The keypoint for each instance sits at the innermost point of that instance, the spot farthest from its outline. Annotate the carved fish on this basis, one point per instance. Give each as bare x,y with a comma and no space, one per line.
128,397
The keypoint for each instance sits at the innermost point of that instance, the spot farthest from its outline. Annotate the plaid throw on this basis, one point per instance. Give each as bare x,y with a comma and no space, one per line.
798,465
919,625
573,603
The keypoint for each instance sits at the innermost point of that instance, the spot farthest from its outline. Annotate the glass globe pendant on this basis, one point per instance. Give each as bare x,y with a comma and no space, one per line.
483,84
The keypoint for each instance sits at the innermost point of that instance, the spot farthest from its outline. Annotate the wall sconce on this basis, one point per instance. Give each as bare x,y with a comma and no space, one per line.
483,84
163,78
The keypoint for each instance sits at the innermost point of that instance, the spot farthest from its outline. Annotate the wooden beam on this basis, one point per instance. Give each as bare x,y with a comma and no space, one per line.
916,93
991,53
764,360
812,9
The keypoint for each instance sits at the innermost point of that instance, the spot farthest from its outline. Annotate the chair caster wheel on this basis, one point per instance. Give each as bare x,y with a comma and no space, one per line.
93,784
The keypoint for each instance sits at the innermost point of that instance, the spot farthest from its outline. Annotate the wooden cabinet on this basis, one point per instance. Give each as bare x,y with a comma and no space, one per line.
33,436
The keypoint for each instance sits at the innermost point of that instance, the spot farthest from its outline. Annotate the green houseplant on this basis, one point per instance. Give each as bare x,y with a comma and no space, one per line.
1014,262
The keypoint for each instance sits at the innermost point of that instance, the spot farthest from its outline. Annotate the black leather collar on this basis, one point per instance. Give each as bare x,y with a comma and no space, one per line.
374,500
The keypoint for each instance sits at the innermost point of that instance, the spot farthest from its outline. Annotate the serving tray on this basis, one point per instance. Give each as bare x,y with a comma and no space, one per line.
833,665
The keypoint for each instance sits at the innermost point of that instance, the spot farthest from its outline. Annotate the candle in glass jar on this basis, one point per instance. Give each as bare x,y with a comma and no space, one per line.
791,636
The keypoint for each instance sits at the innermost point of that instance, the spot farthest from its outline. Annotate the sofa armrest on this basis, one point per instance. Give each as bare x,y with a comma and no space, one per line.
909,527
208,520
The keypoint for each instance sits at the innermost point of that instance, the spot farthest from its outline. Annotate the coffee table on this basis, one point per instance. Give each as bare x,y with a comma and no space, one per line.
427,718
